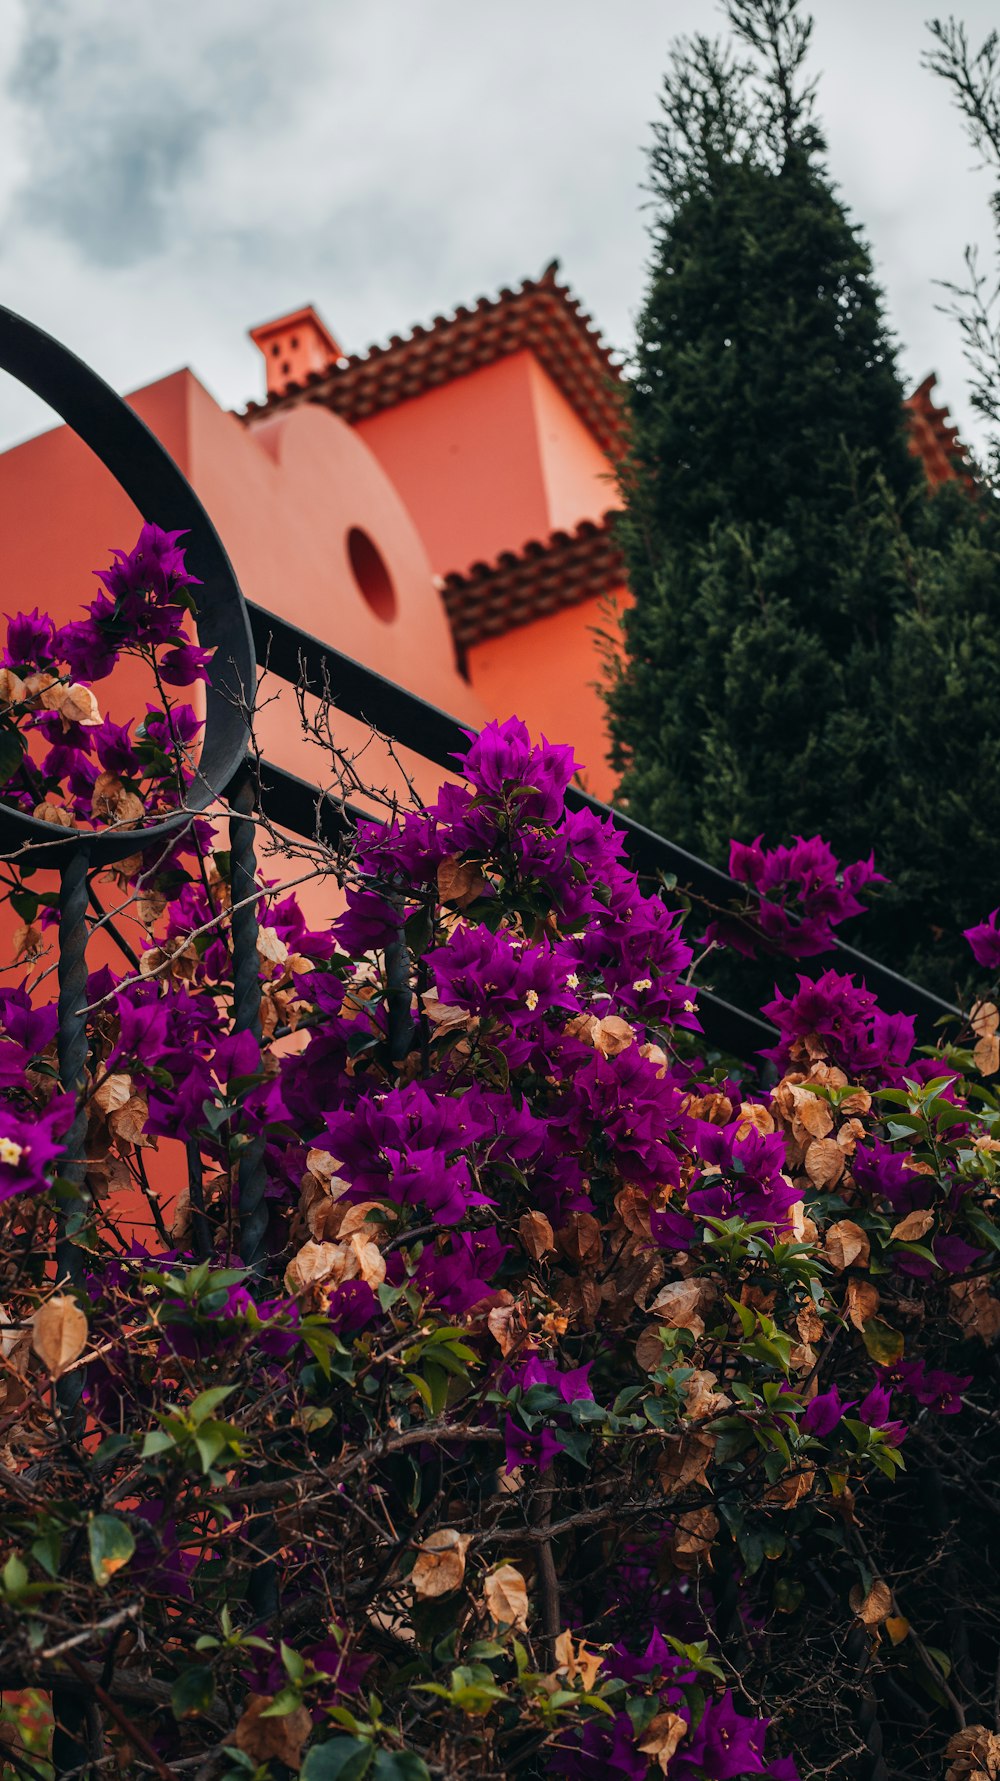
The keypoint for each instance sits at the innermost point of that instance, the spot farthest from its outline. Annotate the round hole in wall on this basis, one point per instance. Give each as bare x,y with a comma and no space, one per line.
371,574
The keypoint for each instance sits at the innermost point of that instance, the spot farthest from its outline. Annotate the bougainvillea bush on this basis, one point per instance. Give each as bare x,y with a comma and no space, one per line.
602,1406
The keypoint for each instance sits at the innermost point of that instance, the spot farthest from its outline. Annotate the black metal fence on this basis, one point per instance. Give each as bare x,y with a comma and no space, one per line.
242,636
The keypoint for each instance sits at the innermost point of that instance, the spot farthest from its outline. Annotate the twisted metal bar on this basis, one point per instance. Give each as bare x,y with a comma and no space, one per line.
399,992
201,1230
871,1766
70,1744
73,1050
246,1000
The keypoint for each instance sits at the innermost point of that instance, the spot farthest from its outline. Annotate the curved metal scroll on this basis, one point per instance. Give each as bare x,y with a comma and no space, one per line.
148,475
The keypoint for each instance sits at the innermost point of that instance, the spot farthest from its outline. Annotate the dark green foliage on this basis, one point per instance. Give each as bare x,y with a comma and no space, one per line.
812,643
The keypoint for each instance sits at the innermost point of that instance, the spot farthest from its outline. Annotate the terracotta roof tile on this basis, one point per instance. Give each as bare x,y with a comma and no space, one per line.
521,586
933,438
541,315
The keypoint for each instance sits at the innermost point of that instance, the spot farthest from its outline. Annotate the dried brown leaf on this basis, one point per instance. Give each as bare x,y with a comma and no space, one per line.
874,1607
536,1234
973,1755
577,1660
694,1532
26,941
858,1101
680,1304
128,1124
272,1740
580,1239
440,1562
824,1162
662,1736
846,1245
613,1035
113,1093
58,1333
506,1596
458,882
911,1228
860,1302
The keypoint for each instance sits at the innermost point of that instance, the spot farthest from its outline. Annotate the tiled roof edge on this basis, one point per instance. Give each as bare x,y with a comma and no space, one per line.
544,576
540,314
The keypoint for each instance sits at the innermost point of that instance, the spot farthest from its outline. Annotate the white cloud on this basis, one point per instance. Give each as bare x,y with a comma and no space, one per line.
170,175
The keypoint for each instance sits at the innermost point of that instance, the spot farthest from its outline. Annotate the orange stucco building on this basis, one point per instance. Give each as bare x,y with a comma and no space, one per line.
437,507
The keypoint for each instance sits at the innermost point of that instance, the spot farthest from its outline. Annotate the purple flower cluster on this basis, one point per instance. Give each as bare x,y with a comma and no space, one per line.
143,608
718,1741
539,1434
804,894
29,1145
984,940
842,1021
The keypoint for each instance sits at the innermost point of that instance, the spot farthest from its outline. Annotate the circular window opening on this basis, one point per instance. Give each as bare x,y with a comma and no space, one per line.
371,574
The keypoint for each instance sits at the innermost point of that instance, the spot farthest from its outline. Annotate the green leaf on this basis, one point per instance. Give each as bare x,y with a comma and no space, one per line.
340,1759
111,1543
25,904
883,1343
399,1765
284,1702
202,1406
11,753
212,1441
47,1551
14,1575
193,1692
157,1441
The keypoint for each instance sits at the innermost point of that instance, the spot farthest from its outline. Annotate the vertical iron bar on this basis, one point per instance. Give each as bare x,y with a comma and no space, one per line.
70,1743
262,1590
246,999
871,1766
399,993
201,1230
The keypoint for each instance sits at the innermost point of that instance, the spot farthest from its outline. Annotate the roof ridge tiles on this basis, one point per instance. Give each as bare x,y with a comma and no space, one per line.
539,313
544,576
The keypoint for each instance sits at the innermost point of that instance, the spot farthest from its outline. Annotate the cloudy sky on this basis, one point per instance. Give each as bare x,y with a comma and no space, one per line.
172,174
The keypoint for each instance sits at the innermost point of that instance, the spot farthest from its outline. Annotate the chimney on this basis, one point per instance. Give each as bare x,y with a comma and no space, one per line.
294,347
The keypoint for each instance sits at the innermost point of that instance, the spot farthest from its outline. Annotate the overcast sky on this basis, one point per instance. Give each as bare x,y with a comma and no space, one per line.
171,174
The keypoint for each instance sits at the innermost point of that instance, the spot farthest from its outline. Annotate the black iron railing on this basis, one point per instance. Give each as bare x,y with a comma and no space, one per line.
243,636
414,724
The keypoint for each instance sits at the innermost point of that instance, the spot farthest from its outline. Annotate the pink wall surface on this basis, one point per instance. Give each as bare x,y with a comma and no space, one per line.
466,460
490,461
579,480
547,673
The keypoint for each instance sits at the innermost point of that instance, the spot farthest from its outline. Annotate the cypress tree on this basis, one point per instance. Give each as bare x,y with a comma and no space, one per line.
793,658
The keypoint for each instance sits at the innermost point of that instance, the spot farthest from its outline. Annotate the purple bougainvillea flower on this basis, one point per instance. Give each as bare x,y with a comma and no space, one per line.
502,761
751,1164
115,749
874,1410
29,641
88,648
857,1035
28,1028
821,1416
154,565
29,1145
804,896
933,1387
406,1147
984,940
724,1744
369,924
180,729
184,664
